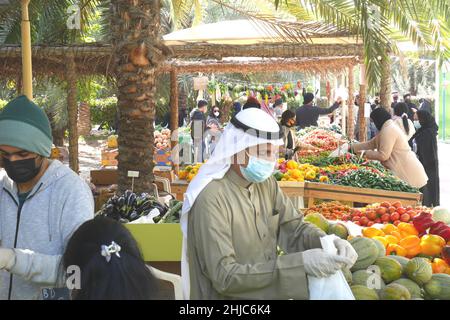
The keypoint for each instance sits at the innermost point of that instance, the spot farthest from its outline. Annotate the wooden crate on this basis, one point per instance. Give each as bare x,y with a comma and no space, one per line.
314,190
104,177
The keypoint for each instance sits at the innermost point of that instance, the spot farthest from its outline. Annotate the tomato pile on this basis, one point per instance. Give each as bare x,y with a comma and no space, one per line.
382,213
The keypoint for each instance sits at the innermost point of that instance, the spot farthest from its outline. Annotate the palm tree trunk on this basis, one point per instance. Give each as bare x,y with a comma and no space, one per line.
72,113
137,49
350,102
385,86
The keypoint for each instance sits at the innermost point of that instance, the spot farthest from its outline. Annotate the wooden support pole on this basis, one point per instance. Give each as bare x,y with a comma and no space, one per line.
350,103
362,102
174,107
27,74
72,112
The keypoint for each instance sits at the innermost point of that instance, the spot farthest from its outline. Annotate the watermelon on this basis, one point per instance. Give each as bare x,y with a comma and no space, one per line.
395,291
347,275
364,293
381,248
412,287
419,270
367,252
390,269
338,229
438,287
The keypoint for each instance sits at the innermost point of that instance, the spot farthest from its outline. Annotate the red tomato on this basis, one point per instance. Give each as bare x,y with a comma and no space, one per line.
397,204
377,220
409,208
381,211
371,215
395,216
356,218
357,222
396,222
412,213
385,204
385,217
364,221
392,209
370,223
405,217
401,210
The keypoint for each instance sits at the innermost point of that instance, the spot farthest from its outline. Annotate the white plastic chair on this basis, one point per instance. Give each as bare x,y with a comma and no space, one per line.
172,278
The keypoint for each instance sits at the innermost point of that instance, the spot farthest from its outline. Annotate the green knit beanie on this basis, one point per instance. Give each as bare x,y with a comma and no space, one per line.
25,126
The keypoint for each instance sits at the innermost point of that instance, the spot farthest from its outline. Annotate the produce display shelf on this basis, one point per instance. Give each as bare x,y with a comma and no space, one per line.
314,191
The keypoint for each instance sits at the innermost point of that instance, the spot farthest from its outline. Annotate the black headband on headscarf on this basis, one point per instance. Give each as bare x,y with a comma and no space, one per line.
255,132
379,117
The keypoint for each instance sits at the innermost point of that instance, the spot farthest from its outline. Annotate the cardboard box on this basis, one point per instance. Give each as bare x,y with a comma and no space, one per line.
158,242
104,177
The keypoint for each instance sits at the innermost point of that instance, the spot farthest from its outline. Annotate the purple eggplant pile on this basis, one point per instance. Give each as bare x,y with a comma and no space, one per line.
129,207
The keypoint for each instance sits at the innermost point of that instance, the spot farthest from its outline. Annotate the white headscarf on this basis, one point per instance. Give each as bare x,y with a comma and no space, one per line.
232,141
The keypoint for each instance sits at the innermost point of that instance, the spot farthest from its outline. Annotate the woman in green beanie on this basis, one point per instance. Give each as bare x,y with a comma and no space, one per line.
42,202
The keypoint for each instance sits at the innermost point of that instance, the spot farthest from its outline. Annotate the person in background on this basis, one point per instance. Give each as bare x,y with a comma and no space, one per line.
236,220
394,99
308,114
425,105
42,202
252,102
411,106
182,117
213,131
376,102
278,108
427,151
110,262
236,107
400,118
213,119
391,148
198,128
291,143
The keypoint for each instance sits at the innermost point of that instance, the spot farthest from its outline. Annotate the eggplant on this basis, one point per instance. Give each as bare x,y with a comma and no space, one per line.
121,201
133,215
122,220
131,201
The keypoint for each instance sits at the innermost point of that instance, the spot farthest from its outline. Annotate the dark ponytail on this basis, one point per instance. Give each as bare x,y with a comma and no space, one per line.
405,123
401,110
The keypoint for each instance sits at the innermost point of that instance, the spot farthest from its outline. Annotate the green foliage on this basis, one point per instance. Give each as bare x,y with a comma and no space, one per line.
103,111
3,103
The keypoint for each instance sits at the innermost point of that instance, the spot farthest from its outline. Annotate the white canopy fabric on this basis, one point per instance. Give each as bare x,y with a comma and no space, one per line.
246,32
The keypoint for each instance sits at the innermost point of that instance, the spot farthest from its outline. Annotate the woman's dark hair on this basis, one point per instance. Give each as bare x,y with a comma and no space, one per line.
122,278
202,103
401,110
286,116
426,120
379,117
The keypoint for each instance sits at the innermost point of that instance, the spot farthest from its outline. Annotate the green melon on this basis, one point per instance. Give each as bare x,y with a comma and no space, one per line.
419,270
381,248
318,220
368,279
338,229
347,275
395,291
403,260
412,287
364,293
367,252
438,287
390,269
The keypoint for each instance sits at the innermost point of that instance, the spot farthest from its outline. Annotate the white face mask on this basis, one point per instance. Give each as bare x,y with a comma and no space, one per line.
216,113
417,124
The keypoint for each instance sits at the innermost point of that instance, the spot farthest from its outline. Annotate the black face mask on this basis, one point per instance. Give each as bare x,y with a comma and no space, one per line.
21,171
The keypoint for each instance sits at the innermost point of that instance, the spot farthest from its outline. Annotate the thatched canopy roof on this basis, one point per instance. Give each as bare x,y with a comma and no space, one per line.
90,59
322,65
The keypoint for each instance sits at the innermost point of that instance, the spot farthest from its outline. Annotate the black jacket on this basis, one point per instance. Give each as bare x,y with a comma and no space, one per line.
308,115
427,153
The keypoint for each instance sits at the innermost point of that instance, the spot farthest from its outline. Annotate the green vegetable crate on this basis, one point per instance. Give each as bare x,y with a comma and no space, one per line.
158,242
